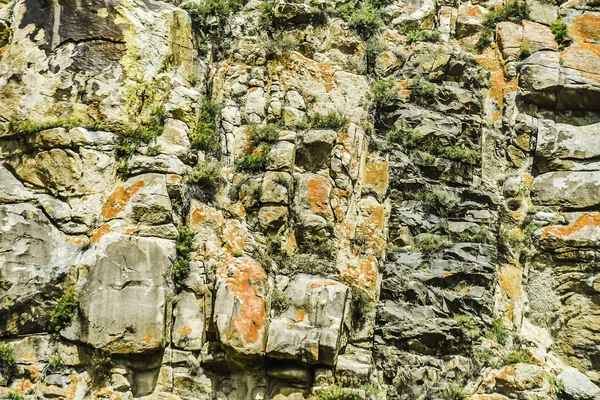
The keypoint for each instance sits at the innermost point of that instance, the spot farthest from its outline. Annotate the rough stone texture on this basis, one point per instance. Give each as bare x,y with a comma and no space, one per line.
416,246
310,328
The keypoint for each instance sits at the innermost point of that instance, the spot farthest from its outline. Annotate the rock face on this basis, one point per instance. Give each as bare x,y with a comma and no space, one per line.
292,200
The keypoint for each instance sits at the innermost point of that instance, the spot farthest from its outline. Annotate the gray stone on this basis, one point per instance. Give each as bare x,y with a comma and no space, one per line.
568,189
578,386
311,326
124,295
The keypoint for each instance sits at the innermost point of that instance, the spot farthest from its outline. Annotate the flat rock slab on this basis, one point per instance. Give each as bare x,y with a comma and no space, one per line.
568,189
310,328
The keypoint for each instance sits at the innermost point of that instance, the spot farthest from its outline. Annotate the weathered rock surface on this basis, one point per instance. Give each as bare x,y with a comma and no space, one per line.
257,201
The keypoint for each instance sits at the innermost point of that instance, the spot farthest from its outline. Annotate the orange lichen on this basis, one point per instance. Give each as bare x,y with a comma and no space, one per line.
585,28
376,175
318,190
243,280
234,236
510,281
204,214
318,284
300,314
119,198
184,330
134,229
100,232
580,223
148,338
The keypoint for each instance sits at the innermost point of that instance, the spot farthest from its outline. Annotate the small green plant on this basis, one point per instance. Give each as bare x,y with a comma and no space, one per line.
316,242
362,306
454,392
280,43
498,331
525,50
561,61
331,120
205,137
422,35
267,20
153,151
184,246
279,301
422,91
467,322
515,11
432,244
64,311
365,20
217,10
560,31
337,392
374,47
257,161
384,92
206,176
8,364
55,363
517,356
13,395
29,128
258,134
436,201
485,38
100,367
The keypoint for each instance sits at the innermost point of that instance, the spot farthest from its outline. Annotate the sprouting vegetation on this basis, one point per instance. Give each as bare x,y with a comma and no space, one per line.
517,356
336,392
560,31
181,267
365,20
498,331
454,392
210,16
467,322
515,11
256,161
436,201
8,364
205,137
279,301
64,311
268,133
280,43
432,244
422,35
331,120
55,363
14,395
28,128
422,91
206,176
413,139
384,92
100,367
362,306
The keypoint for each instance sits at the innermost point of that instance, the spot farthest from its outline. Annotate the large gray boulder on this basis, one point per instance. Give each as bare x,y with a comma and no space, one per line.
568,189
578,386
310,328
123,297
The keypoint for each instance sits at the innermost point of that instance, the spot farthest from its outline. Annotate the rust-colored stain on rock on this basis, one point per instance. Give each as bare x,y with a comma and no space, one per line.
243,285
318,194
100,232
119,198
184,330
583,221
376,175
318,284
300,314
510,281
148,338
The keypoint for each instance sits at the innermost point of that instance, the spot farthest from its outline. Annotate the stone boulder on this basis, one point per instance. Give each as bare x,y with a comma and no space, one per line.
123,297
311,327
240,313
579,189
35,259
578,386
